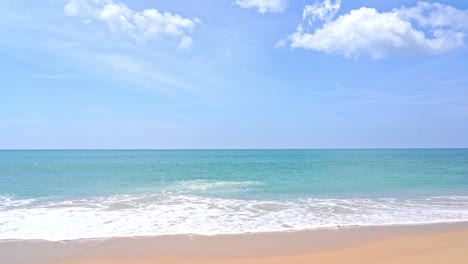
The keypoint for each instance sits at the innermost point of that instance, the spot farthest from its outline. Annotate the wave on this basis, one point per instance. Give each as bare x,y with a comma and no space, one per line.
211,186
8,202
163,214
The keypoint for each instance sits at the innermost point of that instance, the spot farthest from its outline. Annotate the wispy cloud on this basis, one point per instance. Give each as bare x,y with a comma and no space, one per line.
264,6
95,109
159,64
337,84
132,65
135,71
19,121
151,125
324,11
53,76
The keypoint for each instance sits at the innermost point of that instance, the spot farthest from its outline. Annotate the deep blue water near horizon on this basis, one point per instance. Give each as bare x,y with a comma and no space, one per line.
225,191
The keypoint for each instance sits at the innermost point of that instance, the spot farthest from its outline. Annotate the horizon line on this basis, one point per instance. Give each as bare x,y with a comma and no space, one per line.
376,148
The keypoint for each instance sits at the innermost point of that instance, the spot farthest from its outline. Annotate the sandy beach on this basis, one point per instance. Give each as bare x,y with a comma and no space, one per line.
431,243
450,247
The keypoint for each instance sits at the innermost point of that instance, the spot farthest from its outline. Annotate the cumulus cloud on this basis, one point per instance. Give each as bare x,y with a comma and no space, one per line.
142,25
264,6
426,28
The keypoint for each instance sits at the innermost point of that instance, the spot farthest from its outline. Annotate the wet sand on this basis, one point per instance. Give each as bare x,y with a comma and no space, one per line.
432,243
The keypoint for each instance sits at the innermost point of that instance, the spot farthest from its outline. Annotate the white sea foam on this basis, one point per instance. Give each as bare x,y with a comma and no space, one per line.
160,214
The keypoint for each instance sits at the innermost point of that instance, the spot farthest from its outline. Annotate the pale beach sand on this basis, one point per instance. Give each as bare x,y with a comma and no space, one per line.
431,243
447,247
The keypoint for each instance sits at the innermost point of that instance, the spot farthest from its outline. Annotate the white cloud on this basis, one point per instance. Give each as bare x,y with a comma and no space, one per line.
321,11
185,42
142,25
435,15
264,6
367,31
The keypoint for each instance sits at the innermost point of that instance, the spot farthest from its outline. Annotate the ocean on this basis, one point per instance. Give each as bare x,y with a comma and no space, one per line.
72,194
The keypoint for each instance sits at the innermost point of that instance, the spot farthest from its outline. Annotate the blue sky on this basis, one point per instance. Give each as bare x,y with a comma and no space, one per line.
233,74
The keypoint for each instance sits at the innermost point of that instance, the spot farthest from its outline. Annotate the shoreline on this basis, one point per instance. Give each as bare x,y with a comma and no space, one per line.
224,246
319,228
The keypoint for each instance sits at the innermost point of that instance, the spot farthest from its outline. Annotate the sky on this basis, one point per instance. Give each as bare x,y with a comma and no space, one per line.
209,74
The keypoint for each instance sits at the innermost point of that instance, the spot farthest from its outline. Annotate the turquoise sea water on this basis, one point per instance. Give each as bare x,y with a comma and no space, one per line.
103,193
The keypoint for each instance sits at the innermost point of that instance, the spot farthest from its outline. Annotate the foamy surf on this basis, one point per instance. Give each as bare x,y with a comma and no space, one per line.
164,214
58,195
